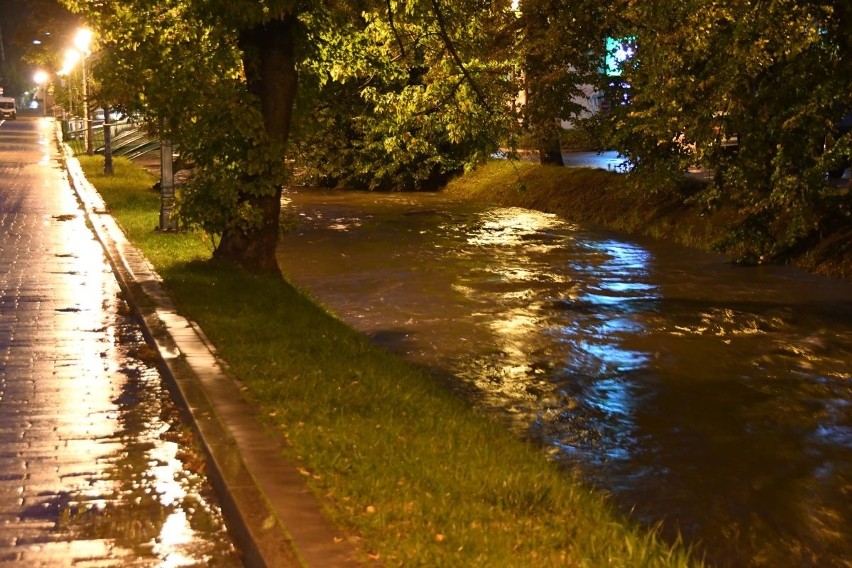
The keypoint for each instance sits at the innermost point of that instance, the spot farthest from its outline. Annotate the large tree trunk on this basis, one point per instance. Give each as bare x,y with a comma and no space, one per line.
270,67
538,71
550,149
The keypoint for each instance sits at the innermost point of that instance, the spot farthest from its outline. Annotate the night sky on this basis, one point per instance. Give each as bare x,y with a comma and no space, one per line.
22,22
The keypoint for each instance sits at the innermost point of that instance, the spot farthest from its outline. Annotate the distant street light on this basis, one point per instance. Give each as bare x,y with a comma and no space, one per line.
81,41
41,78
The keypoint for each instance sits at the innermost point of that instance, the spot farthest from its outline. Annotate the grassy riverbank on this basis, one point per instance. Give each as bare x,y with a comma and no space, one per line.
593,197
415,474
608,200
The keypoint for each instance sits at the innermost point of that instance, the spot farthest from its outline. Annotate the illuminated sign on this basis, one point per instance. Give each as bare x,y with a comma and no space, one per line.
617,52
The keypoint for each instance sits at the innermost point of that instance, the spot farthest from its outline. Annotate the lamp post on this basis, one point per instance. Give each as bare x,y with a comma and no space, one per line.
81,41
41,78
72,56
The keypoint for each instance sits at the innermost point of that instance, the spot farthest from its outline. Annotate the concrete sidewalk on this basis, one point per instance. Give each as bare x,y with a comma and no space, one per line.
269,509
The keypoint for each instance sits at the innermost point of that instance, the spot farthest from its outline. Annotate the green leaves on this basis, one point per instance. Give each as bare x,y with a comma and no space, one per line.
390,107
396,95
773,73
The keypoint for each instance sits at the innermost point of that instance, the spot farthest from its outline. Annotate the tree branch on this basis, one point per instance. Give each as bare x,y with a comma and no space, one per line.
394,30
439,15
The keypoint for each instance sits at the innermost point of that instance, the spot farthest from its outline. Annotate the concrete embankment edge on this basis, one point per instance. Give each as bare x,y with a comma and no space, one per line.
270,512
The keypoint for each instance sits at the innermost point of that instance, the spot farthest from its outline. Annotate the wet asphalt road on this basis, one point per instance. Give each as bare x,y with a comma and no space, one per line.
96,465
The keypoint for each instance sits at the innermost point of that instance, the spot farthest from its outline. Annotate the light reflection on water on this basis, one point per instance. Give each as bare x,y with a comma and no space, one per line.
152,503
140,497
96,468
715,398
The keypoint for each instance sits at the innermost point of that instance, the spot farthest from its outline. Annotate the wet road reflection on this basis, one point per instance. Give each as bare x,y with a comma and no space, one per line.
714,399
96,466
152,502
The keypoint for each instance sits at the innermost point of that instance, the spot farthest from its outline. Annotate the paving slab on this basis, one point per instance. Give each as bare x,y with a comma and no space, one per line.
85,427
273,514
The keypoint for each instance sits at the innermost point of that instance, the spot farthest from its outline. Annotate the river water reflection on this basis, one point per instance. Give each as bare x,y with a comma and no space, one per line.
714,399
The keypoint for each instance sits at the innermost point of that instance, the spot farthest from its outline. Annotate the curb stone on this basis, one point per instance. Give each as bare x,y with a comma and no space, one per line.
269,510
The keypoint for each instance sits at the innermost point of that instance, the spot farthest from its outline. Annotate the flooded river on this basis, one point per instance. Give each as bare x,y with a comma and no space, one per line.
714,399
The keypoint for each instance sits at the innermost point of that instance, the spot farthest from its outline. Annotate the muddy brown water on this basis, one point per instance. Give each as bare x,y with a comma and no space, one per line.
713,399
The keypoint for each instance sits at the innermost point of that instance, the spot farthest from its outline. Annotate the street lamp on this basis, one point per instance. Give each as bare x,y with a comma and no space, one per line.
41,77
72,57
81,41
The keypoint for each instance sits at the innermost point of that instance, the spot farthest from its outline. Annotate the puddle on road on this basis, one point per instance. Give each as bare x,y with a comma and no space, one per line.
98,468
152,502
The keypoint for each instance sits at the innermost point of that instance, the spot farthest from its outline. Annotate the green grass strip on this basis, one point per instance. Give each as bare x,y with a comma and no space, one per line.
414,473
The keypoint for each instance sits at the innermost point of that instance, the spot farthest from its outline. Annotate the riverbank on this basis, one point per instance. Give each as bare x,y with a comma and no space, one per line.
606,199
412,473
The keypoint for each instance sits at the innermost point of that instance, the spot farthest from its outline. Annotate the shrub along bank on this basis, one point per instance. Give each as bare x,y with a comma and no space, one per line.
412,472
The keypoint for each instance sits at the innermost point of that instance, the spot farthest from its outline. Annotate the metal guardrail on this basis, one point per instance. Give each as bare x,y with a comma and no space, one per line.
127,139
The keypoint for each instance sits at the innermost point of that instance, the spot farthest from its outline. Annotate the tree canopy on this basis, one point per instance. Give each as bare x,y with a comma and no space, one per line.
218,78
406,93
775,75
392,94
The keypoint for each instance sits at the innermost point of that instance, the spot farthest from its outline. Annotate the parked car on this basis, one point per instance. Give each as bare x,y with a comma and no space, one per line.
8,108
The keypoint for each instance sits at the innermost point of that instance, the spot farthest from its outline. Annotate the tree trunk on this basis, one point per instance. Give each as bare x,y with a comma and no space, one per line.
550,150
270,68
538,69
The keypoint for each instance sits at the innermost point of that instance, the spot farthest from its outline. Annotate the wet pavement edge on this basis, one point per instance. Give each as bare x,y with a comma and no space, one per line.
270,512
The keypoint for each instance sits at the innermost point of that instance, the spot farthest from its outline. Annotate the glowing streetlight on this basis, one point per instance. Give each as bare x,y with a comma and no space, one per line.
72,57
82,39
41,78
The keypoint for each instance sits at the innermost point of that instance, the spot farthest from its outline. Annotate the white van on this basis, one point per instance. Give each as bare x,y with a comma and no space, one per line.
8,109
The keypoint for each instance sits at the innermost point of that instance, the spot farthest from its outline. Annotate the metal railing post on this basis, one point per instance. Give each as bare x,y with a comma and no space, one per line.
167,188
